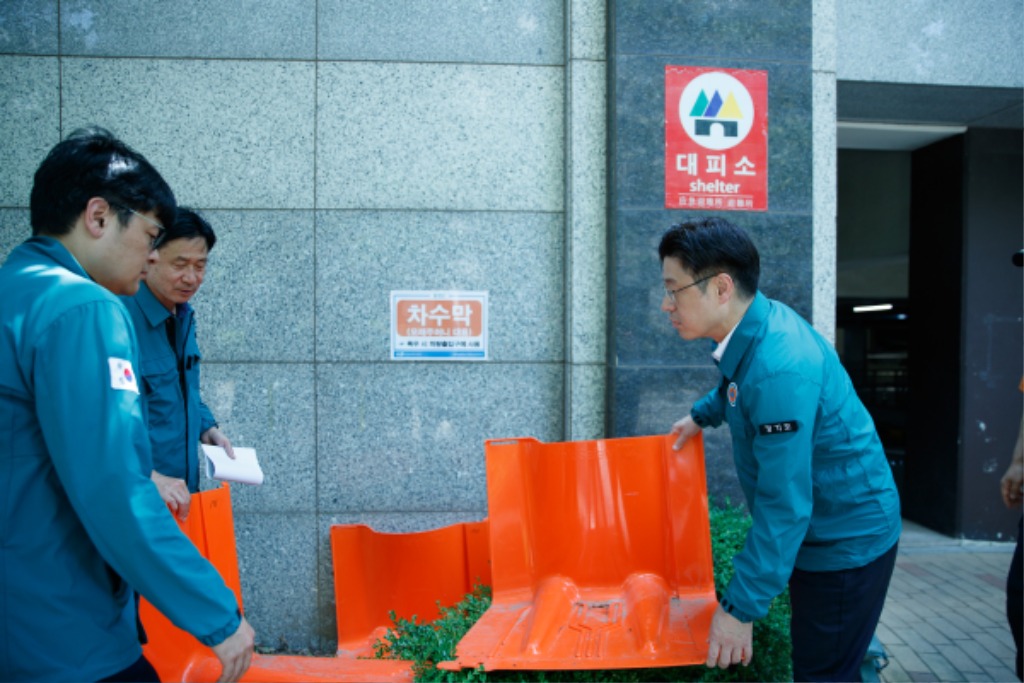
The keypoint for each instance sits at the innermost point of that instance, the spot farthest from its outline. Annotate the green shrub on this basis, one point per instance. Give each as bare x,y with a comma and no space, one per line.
729,526
425,644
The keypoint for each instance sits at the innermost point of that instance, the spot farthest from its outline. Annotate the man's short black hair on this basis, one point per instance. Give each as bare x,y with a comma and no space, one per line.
89,163
188,224
707,246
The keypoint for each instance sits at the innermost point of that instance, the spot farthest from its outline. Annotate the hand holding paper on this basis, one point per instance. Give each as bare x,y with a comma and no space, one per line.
244,468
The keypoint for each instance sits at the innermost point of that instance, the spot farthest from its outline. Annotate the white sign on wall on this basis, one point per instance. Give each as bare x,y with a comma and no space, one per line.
445,325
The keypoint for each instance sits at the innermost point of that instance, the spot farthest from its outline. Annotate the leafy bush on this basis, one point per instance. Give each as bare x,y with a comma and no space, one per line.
772,647
425,644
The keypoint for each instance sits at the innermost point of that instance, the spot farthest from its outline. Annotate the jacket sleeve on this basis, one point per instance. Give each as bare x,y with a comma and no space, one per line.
781,413
206,419
710,410
94,430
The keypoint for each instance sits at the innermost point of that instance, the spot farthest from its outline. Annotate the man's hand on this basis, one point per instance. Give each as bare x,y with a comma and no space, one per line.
235,652
1010,485
215,437
684,429
730,641
174,492
1013,479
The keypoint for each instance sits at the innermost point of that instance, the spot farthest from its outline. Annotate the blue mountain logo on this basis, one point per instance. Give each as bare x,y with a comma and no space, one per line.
707,113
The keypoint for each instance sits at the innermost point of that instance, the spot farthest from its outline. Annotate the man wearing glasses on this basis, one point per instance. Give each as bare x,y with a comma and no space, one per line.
826,513
81,524
169,358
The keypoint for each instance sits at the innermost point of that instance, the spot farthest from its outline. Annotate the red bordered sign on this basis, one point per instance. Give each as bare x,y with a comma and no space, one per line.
438,325
716,139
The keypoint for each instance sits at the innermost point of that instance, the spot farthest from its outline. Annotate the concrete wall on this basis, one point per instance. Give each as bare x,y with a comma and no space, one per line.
655,376
342,150
938,42
346,148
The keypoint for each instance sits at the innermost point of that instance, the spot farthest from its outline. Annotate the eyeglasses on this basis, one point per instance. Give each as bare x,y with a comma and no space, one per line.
671,293
154,242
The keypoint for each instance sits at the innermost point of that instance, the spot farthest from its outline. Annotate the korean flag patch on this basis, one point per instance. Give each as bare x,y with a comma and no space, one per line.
122,376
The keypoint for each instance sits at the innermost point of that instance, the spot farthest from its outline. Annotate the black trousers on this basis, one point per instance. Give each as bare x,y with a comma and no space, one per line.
139,672
1015,598
834,616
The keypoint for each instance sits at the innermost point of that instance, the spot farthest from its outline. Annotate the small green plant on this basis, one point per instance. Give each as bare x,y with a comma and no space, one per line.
772,646
426,644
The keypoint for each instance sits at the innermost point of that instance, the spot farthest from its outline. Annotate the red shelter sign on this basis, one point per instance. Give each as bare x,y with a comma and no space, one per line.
716,139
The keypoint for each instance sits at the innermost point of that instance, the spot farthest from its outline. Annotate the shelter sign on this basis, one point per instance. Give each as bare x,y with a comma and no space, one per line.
716,139
428,325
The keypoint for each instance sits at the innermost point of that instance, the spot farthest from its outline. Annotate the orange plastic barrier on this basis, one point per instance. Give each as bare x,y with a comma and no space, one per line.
177,656
375,573
600,556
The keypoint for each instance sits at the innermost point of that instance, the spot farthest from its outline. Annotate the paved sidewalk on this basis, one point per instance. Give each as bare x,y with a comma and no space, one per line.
945,615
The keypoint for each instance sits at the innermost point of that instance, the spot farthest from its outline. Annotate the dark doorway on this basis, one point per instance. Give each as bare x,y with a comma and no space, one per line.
929,317
967,220
873,315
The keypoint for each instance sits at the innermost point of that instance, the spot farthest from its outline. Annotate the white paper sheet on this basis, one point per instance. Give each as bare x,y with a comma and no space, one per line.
244,468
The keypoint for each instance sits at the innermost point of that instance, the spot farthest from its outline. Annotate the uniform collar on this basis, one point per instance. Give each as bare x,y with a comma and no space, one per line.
743,334
43,245
151,307
723,345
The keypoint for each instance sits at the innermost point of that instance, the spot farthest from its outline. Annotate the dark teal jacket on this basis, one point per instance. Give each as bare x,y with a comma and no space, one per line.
175,413
809,460
80,520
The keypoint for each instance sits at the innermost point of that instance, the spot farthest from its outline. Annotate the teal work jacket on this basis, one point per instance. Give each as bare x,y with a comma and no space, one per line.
817,483
171,403
80,520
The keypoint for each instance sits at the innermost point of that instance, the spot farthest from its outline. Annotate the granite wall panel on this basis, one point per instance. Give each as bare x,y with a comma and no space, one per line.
655,376
224,133
277,561
14,229
768,31
257,302
944,42
189,29
340,150
269,407
464,31
515,256
439,136
30,102
409,436
28,27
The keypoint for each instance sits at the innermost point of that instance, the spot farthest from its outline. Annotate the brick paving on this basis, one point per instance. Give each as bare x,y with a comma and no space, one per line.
945,615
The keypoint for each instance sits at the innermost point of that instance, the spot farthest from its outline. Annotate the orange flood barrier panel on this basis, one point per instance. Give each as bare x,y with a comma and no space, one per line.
409,573
177,656
600,556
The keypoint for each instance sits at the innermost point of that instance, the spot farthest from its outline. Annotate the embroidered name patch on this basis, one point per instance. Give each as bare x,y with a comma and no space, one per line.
121,375
777,427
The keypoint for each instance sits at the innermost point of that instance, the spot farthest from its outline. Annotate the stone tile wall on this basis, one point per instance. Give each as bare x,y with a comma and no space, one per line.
342,150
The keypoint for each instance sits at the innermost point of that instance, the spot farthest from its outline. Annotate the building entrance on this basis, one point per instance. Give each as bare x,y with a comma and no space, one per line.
928,219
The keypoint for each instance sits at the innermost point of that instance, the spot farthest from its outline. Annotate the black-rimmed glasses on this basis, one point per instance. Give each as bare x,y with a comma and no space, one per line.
154,241
671,293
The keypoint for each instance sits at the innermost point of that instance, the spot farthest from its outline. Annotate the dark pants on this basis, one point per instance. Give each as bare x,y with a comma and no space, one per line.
834,617
1015,597
139,672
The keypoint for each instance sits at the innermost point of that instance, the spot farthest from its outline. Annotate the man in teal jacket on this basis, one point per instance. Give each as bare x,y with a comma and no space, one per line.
169,358
825,510
81,524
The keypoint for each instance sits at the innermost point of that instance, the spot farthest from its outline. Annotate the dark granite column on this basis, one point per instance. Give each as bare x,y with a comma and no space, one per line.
654,375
